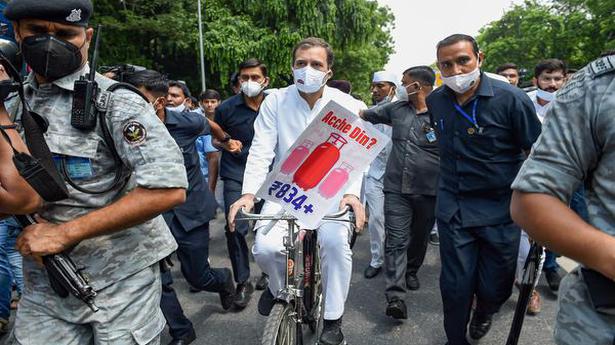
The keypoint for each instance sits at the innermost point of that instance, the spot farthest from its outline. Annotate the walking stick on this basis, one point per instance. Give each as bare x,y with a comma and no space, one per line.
531,273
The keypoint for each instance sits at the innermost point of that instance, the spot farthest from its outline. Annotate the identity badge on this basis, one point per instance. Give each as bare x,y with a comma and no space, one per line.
431,136
78,168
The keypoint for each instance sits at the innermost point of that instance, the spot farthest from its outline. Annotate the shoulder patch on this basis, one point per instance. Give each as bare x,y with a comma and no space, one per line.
603,65
134,133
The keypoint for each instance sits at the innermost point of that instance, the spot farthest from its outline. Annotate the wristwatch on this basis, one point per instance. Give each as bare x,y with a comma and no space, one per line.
226,139
11,126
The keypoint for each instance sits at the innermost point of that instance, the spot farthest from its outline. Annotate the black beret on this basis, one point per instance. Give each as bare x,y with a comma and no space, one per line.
73,12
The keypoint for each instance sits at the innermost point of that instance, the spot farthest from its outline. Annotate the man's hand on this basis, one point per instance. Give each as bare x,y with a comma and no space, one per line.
233,146
247,202
43,239
358,209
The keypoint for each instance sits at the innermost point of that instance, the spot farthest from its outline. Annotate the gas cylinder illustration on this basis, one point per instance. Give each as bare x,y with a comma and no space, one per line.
335,181
296,157
319,162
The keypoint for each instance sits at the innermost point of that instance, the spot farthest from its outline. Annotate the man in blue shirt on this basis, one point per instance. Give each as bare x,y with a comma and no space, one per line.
236,116
485,128
189,222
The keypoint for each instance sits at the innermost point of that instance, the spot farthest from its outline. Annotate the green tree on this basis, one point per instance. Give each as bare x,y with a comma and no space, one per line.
163,35
575,31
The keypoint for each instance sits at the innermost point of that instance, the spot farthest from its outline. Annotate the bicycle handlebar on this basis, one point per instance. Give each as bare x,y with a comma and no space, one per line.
244,215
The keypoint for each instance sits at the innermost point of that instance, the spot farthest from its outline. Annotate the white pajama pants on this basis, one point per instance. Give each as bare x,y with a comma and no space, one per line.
335,260
374,195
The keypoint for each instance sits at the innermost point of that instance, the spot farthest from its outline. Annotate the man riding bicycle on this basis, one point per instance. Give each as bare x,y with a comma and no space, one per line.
283,116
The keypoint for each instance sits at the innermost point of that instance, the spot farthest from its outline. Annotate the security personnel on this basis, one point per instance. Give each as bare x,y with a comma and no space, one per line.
576,148
116,235
484,126
189,222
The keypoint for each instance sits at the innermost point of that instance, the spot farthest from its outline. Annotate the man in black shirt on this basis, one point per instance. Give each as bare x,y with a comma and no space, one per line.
485,127
236,116
409,185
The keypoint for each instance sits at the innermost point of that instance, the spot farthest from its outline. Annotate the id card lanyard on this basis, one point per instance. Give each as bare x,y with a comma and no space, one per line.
476,127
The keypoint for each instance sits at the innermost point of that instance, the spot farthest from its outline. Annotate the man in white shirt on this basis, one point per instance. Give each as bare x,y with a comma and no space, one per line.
549,76
384,86
283,116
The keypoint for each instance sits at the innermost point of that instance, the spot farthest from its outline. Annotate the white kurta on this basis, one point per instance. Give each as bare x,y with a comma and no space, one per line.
283,116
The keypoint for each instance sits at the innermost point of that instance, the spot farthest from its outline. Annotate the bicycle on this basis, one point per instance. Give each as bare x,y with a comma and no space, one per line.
300,301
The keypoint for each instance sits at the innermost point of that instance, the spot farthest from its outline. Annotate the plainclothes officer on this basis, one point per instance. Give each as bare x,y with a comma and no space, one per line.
384,85
189,222
236,116
410,185
576,148
484,128
117,235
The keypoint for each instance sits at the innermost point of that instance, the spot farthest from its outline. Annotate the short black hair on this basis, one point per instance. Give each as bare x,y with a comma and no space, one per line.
550,65
343,85
181,85
234,79
252,63
209,94
423,74
312,42
152,81
452,39
506,66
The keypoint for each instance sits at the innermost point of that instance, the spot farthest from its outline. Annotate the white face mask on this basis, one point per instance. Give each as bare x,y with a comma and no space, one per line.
461,83
308,79
180,108
402,93
251,88
545,95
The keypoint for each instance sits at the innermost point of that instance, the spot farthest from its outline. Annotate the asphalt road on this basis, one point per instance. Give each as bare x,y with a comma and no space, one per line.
364,321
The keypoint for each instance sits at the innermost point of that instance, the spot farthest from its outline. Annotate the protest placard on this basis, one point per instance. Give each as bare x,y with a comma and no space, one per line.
330,155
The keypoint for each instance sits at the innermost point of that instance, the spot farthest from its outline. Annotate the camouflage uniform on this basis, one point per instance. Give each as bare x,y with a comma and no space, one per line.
578,144
123,266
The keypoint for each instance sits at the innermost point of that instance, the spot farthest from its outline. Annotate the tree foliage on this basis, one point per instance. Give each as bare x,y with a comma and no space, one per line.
163,35
575,31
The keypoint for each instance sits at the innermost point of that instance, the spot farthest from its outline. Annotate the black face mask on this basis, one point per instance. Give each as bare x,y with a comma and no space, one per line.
50,57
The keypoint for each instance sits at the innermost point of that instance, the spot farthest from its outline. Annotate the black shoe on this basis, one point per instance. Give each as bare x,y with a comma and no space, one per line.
266,302
262,282
480,325
553,279
397,309
185,340
243,294
228,294
412,282
371,272
434,239
332,333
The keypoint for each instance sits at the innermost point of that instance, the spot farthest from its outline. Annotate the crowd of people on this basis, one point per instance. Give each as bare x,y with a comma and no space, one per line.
477,165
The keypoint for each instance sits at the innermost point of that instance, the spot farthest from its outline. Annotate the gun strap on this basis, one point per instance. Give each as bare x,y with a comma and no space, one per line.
38,146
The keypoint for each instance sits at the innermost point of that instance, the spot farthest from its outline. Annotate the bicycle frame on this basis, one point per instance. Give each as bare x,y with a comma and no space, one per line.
293,244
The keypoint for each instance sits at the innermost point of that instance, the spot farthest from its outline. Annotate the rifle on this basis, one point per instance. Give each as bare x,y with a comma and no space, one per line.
531,273
64,276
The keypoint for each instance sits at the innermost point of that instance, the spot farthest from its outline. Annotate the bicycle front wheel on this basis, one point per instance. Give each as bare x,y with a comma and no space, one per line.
281,326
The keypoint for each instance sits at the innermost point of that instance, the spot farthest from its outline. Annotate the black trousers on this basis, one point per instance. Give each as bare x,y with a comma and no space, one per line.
236,241
477,261
408,220
193,255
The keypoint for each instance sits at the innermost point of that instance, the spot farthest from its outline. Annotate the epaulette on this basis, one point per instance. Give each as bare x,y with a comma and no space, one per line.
603,65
